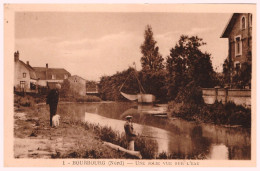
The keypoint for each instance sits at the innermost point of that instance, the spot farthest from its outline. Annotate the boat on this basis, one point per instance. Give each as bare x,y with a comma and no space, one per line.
141,97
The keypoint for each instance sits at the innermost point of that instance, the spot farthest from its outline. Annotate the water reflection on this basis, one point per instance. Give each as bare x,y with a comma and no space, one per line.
200,143
218,152
172,135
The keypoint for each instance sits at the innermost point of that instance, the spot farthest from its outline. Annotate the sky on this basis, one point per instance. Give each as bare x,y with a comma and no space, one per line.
92,45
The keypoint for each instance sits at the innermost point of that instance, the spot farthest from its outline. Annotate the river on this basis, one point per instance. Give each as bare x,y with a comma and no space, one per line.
173,135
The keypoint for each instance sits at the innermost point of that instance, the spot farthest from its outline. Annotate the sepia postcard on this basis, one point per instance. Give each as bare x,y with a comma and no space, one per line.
129,85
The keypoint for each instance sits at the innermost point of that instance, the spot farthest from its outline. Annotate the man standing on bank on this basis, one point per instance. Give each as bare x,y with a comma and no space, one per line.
129,131
52,100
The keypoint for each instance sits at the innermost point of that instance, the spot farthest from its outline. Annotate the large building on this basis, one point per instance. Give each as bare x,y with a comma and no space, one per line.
25,79
29,79
239,34
77,85
50,76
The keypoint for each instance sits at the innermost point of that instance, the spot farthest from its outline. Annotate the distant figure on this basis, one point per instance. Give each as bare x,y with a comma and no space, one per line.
56,120
129,131
52,100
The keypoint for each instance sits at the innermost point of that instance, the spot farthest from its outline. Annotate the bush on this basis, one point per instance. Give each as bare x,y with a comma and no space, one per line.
147,147
88,99
26,101
217,113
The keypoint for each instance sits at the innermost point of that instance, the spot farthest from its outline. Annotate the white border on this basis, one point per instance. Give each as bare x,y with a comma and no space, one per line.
120,1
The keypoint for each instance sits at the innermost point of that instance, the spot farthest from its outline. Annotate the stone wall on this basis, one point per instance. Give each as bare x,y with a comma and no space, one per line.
238,96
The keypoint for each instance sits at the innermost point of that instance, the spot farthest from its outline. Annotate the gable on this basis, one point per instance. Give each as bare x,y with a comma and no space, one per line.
230,25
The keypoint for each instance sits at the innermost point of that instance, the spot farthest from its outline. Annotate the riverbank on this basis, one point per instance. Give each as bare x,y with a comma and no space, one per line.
29,100
228,115
33,138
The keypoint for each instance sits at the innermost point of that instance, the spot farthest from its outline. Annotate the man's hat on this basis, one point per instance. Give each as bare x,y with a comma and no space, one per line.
128,117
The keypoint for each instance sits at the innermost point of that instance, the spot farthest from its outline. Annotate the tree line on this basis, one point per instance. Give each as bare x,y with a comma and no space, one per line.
184,71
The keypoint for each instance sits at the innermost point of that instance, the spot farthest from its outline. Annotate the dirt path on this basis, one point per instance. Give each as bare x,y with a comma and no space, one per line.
35,139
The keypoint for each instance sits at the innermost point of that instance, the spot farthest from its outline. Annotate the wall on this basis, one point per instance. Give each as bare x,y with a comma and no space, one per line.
238,96
77,85
18,76
245,36
44,82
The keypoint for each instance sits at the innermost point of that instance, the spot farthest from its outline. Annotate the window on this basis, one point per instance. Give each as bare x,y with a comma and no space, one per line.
75,80
22,85
243,23
24,75
237,65
32,86
238,46
53,76
65,76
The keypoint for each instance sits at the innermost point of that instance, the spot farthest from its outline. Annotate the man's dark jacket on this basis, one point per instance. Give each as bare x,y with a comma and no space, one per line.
129,131
52,100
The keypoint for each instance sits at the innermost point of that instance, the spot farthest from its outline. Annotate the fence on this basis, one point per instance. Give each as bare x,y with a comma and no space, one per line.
238,96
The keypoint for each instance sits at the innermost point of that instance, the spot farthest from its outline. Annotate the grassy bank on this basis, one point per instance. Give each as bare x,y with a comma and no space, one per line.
29,100
223,114
35,139
73,139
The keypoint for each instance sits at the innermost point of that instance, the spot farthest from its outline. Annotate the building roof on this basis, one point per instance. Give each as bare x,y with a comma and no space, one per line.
59,72
31,70
230,25
76,76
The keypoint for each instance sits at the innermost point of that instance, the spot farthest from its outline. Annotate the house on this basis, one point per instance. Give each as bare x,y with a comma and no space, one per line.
239,34
25,79
50,76
77,85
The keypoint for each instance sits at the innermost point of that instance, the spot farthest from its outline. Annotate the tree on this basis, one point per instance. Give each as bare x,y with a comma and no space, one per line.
185,64
65,89
151,60
227,70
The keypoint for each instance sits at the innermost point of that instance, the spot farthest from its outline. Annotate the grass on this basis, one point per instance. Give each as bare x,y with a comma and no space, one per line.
217,113
81,140
87,98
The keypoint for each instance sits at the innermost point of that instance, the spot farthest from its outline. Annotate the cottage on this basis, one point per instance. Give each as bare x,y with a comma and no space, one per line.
239,34
25,79
50,76
77,85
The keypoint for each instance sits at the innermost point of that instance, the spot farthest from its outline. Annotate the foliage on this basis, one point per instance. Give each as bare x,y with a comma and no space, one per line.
87,99
191,93
109,86
242,76
217,113
65,88
238,77
155,83
147,147
187,63
151,60
28,100
227,70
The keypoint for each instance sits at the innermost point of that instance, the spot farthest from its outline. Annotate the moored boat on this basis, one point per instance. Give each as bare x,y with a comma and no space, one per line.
142,97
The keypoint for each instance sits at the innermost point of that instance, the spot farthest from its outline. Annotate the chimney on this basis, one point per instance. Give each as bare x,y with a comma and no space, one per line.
47,66
16,56
27,62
